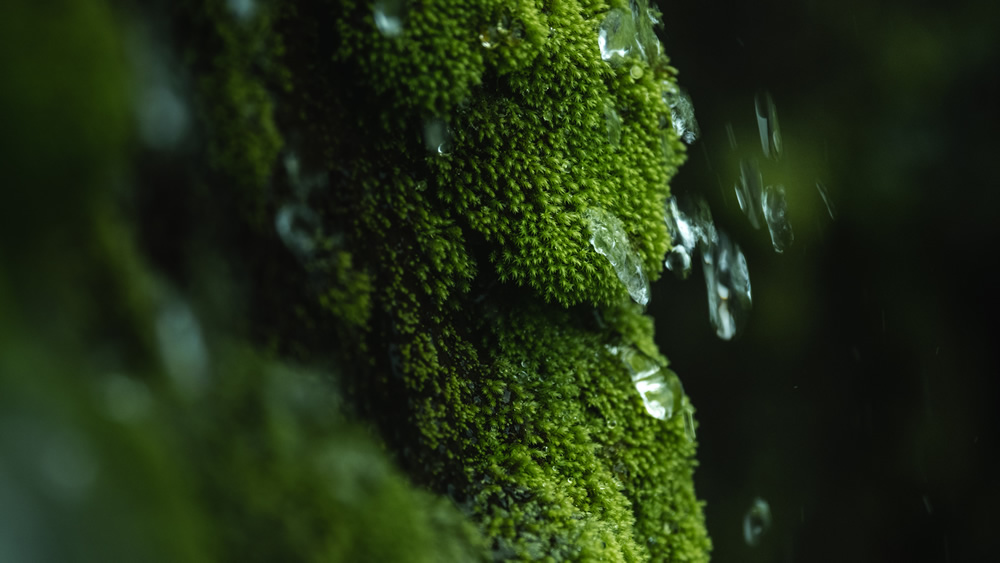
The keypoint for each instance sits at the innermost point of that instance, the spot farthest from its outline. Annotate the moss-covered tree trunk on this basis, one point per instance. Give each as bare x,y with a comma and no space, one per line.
338,281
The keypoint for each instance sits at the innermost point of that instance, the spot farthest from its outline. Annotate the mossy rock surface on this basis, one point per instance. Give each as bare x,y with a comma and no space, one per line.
395,195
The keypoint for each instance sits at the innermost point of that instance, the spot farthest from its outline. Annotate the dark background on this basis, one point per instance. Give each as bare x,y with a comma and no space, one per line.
859,401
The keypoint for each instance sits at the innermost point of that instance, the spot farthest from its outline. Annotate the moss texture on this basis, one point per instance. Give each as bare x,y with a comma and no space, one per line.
404,209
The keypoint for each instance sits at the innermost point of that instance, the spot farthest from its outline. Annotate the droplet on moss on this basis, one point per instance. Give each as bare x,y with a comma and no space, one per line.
681,113
614,124
608,237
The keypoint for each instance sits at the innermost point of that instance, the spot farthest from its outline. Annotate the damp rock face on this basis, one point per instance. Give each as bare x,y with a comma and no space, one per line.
363,308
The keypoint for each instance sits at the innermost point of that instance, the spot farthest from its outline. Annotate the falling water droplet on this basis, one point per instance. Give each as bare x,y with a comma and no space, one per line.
748,191
686,233
182,347
437,136
827,200
126,399
69,465
775,208
297,226
609,239
727,280
242,9
614,124
767,125
681,113
389,17
756,521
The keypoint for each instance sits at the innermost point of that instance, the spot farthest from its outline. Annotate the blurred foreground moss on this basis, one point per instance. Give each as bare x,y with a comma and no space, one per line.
405,212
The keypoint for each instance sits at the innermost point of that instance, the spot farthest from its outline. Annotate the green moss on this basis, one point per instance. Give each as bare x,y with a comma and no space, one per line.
455,293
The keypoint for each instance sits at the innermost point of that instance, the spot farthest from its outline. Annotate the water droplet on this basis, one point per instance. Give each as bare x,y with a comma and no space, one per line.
488,38
635,72
727,280
242,9
661,393
686,233
182,349
69,465
767,125
612,423
297,226
827,200
163,117
748,191
689,431
609,240
659,388
775,208
389,17
614,124
506,395
681,113
756,521
126,399
615,36
437,136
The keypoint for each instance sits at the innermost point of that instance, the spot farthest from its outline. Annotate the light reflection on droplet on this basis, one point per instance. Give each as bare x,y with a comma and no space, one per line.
756,521
775,207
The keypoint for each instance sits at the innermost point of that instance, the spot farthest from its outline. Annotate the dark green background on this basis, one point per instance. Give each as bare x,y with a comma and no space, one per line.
860,400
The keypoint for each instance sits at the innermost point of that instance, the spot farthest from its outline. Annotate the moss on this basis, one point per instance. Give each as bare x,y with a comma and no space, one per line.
448,283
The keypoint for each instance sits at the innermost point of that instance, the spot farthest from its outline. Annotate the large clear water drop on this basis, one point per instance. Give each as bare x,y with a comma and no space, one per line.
608,237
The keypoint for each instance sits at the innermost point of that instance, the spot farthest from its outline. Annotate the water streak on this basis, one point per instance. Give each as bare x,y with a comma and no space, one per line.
767,125
748,191
827,200
614,124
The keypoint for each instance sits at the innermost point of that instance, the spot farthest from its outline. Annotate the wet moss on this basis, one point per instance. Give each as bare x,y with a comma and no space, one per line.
470,405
